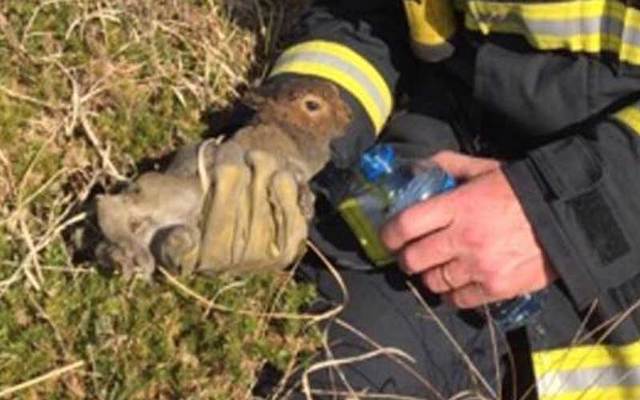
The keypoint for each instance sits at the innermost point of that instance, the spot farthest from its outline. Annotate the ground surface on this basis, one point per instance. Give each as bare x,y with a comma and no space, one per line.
91,92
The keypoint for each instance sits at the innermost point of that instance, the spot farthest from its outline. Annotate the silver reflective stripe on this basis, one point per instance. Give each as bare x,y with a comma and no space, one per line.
565,28
631,35
581,380
576,27
609,24
338,63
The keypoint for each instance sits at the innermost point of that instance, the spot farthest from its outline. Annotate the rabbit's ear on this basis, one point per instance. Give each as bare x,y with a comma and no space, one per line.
254,100
258,97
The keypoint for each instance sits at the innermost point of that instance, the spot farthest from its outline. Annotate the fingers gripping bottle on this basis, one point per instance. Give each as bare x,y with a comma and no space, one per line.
383,186
386,185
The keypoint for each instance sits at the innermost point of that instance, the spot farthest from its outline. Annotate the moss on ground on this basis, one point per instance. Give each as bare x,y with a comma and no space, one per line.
142,340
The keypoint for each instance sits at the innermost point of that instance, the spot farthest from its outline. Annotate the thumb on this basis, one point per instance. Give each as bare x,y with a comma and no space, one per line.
462,166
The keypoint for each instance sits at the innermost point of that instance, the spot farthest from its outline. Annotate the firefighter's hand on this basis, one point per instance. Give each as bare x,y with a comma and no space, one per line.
255,217
474,245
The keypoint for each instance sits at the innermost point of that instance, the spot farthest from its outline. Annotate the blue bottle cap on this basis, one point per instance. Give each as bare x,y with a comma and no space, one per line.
449,183
377,162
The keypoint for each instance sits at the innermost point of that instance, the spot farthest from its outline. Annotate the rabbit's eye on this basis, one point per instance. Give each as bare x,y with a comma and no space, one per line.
312,105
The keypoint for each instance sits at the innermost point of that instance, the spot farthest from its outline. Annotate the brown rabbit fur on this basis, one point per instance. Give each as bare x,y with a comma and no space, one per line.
157,219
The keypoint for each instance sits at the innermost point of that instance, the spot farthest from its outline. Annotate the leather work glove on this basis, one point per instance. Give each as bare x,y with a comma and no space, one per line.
257,212
258,206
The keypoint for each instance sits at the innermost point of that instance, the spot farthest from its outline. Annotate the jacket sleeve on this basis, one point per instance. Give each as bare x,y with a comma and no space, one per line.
580,193
534,97
361,46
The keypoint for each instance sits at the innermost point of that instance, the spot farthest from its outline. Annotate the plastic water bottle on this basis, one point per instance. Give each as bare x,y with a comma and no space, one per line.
404,184
387,186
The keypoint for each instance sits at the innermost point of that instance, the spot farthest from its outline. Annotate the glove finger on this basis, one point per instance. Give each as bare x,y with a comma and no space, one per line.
177,248
225,225
262,230
291,225
229,153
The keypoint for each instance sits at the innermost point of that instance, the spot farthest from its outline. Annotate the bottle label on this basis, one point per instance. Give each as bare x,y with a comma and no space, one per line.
365,215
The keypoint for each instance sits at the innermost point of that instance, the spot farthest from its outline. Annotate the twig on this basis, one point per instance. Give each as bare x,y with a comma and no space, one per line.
453,341
68,270
330,357
615,323
32,163
332,269
312,318
6,166
401,362
79,114
347,395
7,283
49,375
42,188
56,332
44,242
306,388
97,145
102,14
35,280
496,357
288,372
28,99
10,35
469,395
271,305
585,322
210,305
27,29
603,326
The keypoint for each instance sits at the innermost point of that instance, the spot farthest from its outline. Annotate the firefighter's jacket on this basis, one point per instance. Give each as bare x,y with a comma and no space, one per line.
561,82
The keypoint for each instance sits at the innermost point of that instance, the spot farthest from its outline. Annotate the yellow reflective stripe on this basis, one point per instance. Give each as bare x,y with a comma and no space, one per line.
589,43
348,55
553,11
596,393
346,68
591,356
431,22
630,53
588,371
590,26
630,116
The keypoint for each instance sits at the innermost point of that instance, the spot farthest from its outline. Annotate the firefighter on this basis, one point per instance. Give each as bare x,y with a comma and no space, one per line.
533,106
